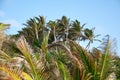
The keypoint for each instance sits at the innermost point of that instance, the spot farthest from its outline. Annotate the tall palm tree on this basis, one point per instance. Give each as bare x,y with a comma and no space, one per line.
75,30
63,25
89,35
34,30
52,25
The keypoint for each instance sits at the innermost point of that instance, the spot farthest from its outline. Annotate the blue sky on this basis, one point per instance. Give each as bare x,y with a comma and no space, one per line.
104,15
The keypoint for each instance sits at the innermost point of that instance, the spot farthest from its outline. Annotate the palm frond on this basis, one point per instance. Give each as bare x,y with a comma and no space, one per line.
14,74
107,59
27,53
4,55
64,71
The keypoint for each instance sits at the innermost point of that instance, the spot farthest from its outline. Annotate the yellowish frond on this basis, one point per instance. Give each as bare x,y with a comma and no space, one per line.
26,76
11,72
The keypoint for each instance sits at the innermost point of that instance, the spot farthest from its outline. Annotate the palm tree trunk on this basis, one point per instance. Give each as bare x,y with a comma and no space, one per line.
55,40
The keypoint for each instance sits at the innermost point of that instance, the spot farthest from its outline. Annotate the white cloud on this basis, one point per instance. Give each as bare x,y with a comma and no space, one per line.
15,26
100,30
2,14
13,23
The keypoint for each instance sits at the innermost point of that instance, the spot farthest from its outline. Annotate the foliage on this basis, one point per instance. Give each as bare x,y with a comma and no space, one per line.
60,30
117,66
2,34
49,51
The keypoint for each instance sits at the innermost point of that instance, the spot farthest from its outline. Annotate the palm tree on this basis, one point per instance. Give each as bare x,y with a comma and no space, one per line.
63,25
75,30
34,30
89,35
52,25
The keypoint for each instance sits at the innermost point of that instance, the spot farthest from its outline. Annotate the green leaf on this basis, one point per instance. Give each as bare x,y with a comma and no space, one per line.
4,26
64,71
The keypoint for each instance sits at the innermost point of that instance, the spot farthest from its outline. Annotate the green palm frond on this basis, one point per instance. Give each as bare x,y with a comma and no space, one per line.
89,34
37,72
4,26
85,76
89,68
84,56
27,53
45,42
64,71
106,59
